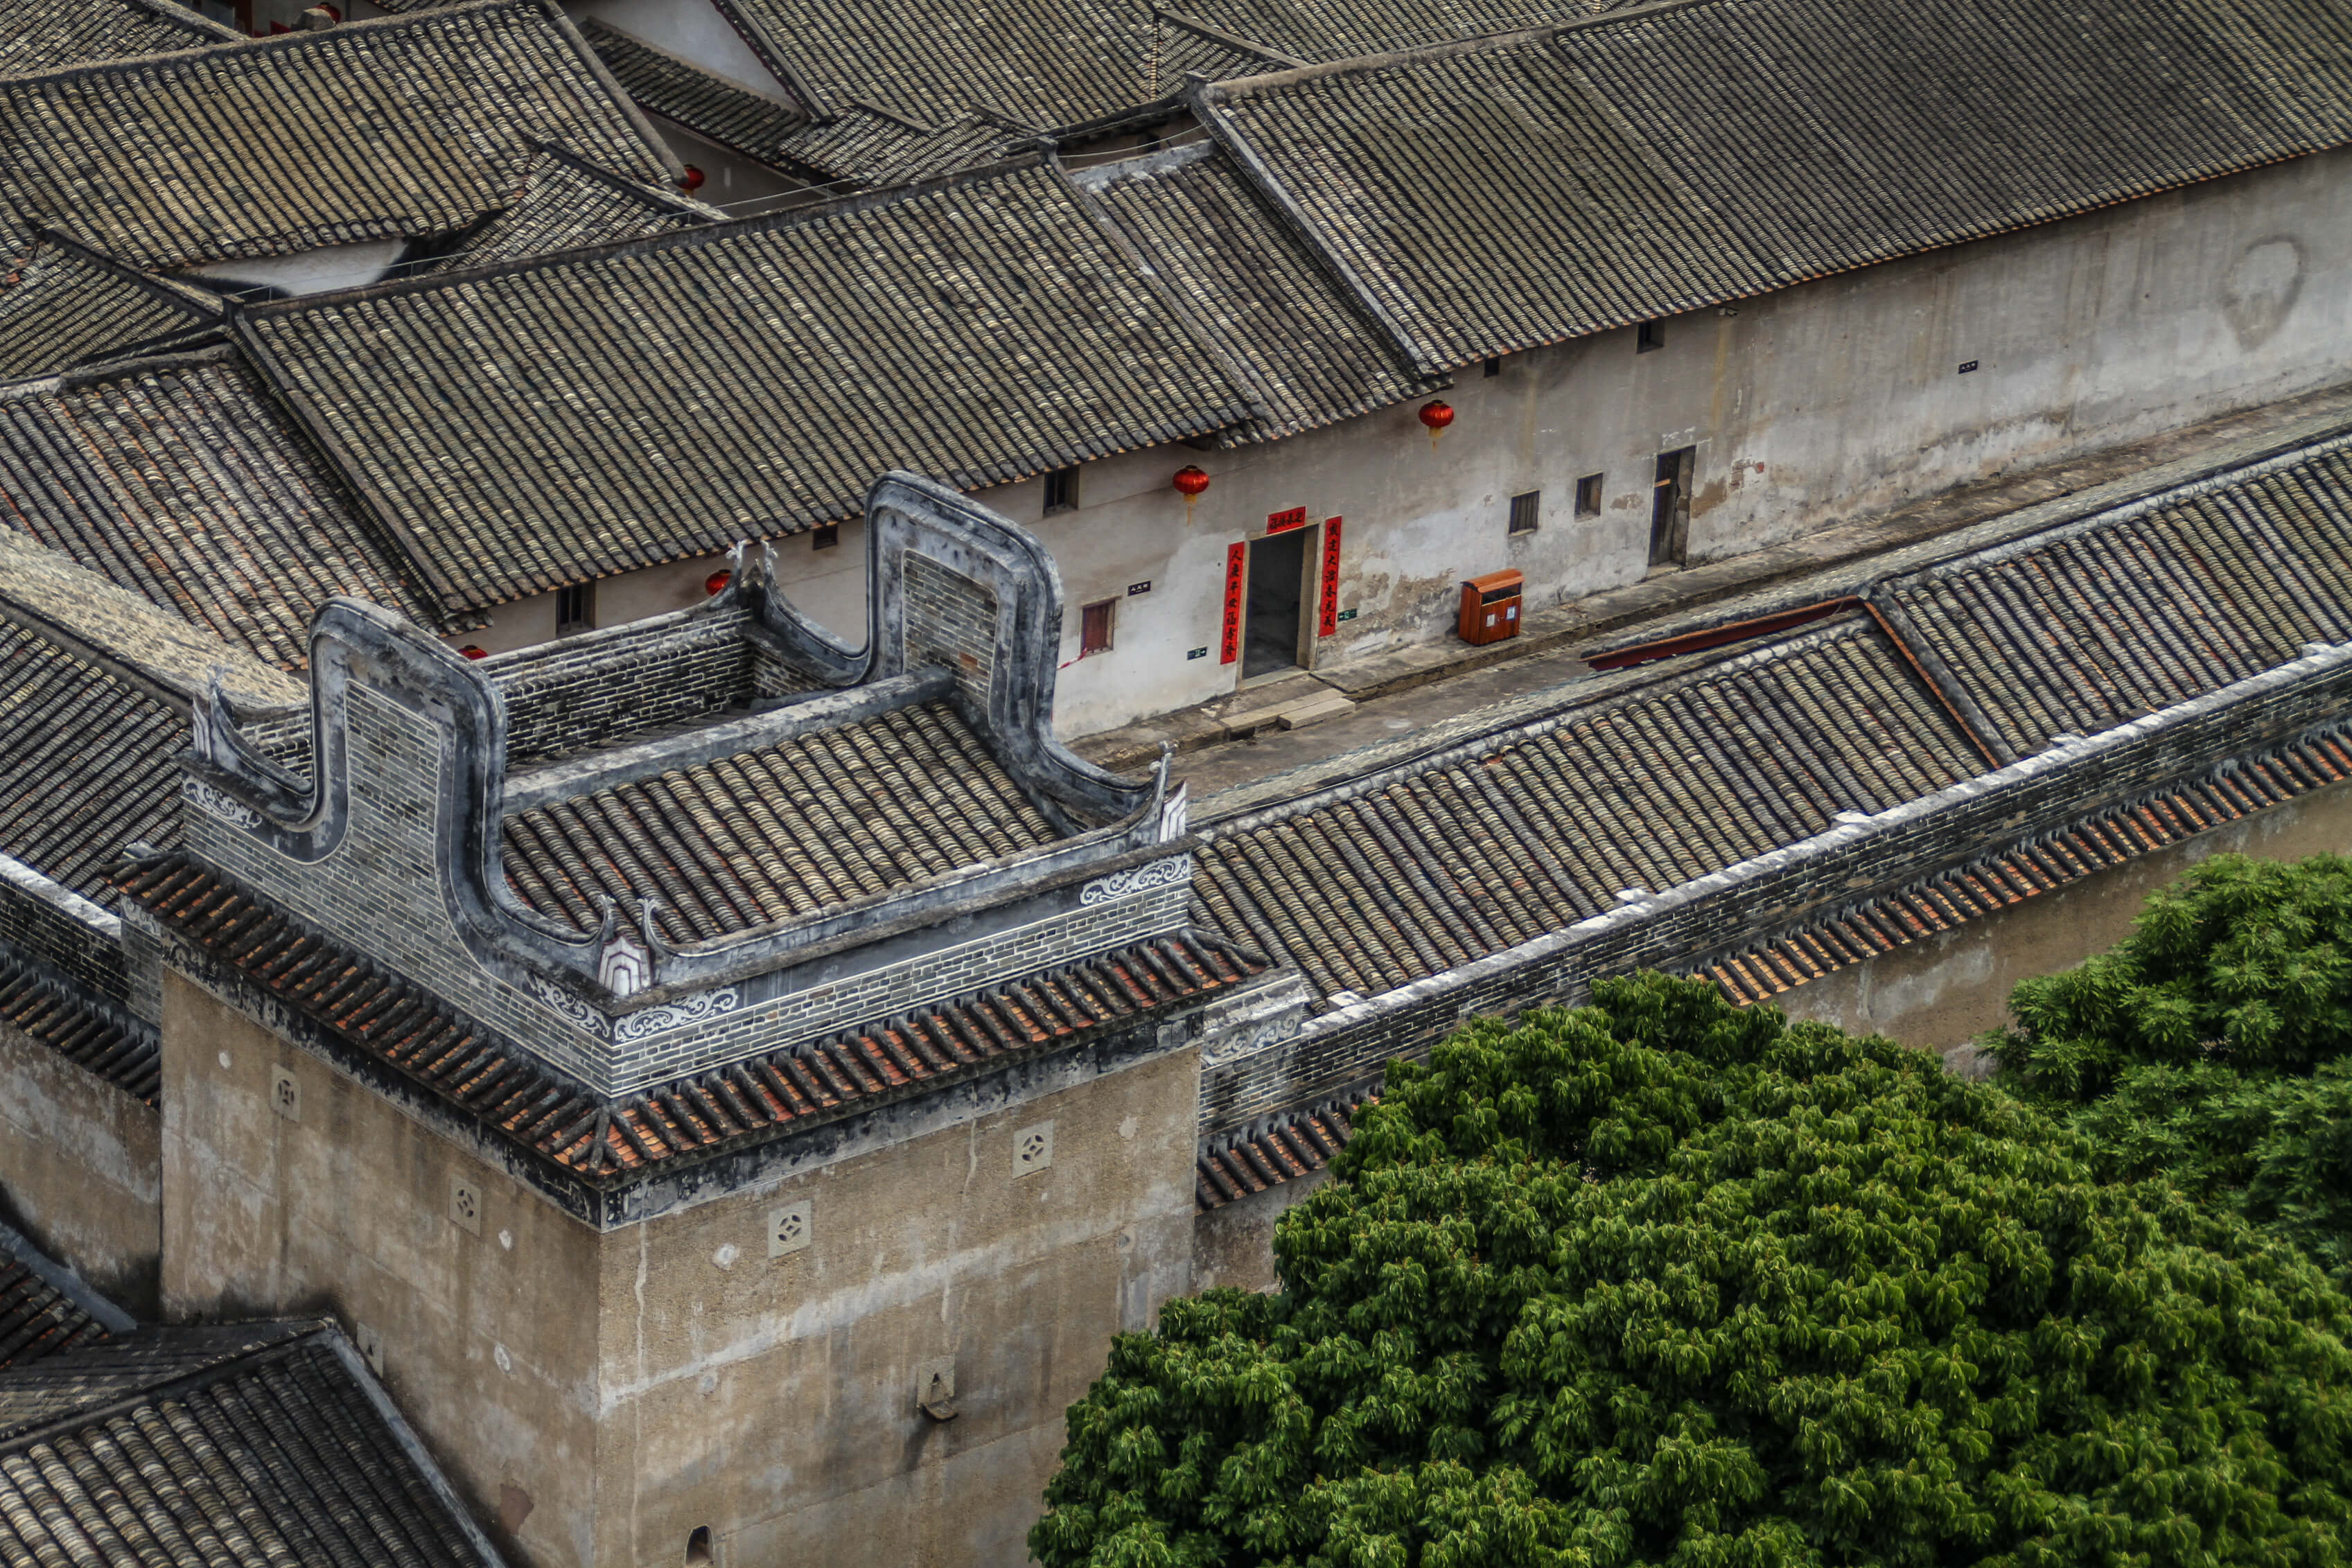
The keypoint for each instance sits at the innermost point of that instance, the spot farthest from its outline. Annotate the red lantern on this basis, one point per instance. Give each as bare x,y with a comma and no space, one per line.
1190,483
470,651
1436,416
716,583
691,179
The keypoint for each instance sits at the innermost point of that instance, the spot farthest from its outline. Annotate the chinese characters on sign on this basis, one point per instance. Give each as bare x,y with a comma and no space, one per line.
1283,522
1328,619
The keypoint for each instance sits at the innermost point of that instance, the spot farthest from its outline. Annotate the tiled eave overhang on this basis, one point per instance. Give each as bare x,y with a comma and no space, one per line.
612,1161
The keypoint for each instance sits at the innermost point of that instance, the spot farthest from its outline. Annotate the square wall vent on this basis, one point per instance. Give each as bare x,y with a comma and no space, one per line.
1033,1149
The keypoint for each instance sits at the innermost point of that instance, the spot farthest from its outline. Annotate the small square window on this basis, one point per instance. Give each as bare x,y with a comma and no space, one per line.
1588,496
1061,491
1493,368
1648,336
575,608
1523,511
824,536
1095,627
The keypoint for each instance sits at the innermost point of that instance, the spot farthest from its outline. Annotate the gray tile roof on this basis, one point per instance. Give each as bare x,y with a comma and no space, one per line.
1312,30
1292,1145
2101,623
1039,63
1313,353
684,93
61,307
37,1318
564,203
42,34
94,684
266,1445
181,480
1421,872
863,146
89,761
1049,63
92,1037
783,830
402,127
526,427
1494,196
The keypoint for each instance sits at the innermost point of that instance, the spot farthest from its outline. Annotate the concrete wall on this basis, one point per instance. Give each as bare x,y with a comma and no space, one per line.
774,1401
489,1333
1940,994
1233,1245
597,1397
80,1171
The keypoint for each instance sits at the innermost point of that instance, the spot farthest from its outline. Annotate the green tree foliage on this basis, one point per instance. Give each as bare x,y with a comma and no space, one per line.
2212,1048
1662,1282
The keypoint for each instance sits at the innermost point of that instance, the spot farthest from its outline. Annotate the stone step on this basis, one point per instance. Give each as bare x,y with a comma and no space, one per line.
1315,711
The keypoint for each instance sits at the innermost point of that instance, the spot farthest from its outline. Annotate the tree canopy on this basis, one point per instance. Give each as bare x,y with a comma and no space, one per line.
1662,1282
2212,1048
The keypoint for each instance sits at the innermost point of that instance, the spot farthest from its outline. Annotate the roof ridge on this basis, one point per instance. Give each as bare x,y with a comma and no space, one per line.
279,42
185,17
1230,40
1483,43
709,234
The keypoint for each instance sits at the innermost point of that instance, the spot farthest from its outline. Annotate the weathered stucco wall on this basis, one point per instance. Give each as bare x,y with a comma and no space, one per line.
1835,400
488,1333
80,1168
1940,994
1233,1245
774,1400
598,1397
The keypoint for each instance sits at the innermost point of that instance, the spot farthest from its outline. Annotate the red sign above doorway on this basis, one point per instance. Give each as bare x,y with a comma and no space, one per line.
1283,522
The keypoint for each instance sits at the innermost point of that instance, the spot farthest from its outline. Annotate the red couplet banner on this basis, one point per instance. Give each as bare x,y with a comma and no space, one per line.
1283,522
1237,571
1327,621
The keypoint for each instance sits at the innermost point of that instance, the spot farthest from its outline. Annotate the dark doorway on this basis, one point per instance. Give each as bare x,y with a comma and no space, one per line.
1270,635
1670,508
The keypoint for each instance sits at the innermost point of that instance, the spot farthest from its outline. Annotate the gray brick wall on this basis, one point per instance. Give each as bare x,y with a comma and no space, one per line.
950,621
56,930
380,894
588,690
1689,926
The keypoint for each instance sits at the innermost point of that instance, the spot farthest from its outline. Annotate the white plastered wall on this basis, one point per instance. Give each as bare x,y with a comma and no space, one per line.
1829,401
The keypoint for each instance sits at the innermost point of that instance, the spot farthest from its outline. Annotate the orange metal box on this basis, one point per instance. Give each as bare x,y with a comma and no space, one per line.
1490,607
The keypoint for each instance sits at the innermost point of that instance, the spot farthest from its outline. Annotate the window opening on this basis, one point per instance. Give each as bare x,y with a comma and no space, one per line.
1588,496
1095,627
1493,368
1277,565
1061,491
1648,336
575,608
1523,511
824,536
1670,507
698,1546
